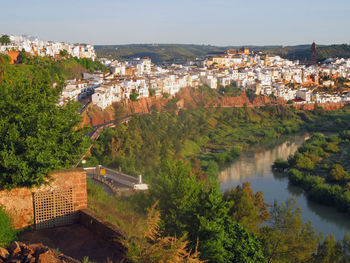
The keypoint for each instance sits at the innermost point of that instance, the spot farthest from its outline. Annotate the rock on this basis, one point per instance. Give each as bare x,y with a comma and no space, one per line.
48,257
14,248
4,253
18,252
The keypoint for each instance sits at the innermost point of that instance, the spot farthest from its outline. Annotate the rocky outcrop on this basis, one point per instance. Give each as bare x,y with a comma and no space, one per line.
18,252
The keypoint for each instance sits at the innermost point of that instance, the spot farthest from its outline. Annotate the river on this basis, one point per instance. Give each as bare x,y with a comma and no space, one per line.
254,166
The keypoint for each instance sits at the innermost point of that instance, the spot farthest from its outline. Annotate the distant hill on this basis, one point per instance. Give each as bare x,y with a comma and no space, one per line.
303,52
182,52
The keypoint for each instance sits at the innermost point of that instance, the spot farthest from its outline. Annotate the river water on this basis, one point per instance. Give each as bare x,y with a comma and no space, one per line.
254,166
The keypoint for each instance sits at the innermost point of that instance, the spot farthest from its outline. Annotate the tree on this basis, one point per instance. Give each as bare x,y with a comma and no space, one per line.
286,238
247,208
190,208
337,173
63,53
5,40
151,92
36,135
119,112
153,247
134,96
329,251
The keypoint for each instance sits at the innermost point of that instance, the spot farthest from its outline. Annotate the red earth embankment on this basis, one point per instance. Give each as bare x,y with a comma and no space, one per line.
189,98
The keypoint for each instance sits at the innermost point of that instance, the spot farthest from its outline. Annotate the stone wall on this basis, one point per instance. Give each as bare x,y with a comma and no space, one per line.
101,227
18,202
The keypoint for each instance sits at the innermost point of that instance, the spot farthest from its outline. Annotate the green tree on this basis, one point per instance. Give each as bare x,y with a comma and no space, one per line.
36,135
337,173
134,96
190,208
329,251
286,238
151,92
247,208
5,40
63,53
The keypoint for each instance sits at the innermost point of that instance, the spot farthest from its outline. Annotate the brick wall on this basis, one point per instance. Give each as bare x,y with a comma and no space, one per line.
18,202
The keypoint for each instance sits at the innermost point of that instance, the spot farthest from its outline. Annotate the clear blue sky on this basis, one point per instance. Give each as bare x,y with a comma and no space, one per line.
216,22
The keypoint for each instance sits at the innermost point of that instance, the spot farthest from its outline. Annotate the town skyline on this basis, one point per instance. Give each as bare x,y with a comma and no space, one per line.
219,23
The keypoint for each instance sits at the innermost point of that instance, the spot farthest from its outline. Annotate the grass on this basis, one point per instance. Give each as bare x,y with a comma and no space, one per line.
120,211
7,232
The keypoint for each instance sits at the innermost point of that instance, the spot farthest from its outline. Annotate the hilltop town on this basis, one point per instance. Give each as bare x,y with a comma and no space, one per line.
261,74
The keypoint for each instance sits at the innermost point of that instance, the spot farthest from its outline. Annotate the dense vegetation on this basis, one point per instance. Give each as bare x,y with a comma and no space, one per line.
189,202
36,135
210,135
7,232
237,226
321,167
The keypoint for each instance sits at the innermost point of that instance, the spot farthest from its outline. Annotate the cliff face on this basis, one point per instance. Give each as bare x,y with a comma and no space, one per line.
325,106
95,116
190,98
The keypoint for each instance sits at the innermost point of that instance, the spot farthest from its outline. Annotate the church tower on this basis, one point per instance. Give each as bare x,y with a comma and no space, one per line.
313,54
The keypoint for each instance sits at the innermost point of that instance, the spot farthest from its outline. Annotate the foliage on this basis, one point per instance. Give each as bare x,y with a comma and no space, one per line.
152,92
119,112
332,251
337,173
247,208
286,238
63,53
37,136
153,247
280,164
189,208
7,232
5,40
209,134
134,96
230,90
317,168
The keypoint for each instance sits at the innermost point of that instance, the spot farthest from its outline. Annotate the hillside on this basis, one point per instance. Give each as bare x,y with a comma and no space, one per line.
303,52
180,52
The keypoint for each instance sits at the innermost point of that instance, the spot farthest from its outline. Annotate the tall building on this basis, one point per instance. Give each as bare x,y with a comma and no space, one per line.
313,54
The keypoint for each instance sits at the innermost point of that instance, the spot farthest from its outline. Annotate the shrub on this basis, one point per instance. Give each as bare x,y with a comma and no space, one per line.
305,163
7,232
337,173
134,97
280,164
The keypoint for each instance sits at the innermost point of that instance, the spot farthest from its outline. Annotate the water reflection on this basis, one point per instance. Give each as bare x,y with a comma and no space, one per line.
257,162
255,166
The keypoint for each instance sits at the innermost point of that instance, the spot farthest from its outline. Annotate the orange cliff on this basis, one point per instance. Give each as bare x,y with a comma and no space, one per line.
186,99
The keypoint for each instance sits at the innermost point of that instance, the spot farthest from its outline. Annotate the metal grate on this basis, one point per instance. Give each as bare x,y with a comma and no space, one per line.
53,209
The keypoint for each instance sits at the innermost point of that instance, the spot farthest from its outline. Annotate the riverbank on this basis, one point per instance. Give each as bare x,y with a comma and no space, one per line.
320,167
254,166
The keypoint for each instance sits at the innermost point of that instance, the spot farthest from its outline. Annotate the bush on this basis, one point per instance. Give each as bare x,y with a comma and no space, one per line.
151,92
337,173
280,164
134,97
7,232
305,163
